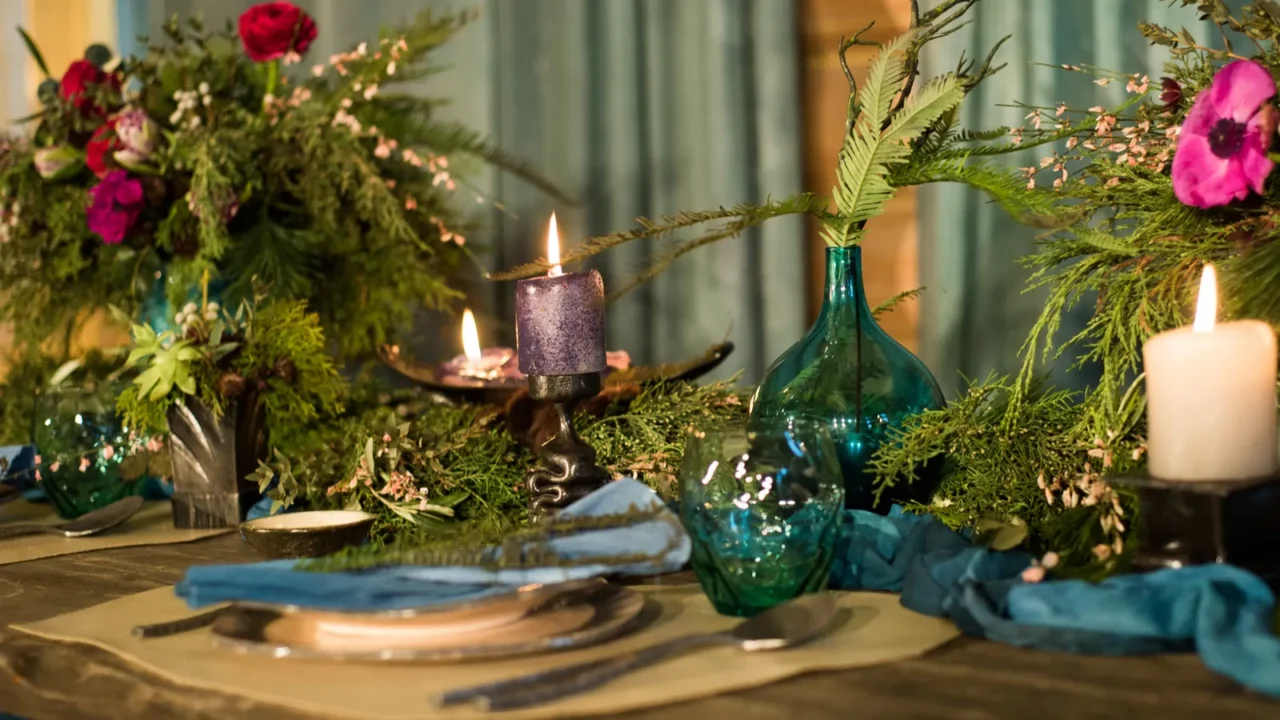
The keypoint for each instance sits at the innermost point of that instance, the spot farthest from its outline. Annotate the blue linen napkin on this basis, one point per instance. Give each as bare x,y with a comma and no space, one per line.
1222,612
409,586
21,459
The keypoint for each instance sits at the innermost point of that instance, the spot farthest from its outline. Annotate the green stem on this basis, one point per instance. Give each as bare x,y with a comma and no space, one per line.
273,76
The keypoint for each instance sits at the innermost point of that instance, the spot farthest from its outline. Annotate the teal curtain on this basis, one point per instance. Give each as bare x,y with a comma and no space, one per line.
636,107
976,314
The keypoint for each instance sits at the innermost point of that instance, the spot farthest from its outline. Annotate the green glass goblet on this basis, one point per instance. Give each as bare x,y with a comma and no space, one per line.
73,428
763,510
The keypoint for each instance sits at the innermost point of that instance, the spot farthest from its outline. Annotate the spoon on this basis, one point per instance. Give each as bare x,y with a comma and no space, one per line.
786,625
90,523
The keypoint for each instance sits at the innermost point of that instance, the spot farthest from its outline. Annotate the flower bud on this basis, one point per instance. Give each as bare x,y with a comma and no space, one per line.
58,162
138,134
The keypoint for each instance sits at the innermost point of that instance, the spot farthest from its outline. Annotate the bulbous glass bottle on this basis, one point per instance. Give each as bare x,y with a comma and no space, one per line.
848,374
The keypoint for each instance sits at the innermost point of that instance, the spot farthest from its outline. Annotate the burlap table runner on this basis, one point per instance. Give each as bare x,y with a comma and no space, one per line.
872,628
152,525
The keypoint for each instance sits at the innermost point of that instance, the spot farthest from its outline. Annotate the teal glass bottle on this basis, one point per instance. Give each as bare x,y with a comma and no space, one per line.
847,373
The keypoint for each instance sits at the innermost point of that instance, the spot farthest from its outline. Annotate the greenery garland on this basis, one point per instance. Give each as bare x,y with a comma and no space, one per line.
455,474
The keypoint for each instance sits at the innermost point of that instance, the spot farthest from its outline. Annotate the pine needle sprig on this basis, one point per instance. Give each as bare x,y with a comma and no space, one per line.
740,218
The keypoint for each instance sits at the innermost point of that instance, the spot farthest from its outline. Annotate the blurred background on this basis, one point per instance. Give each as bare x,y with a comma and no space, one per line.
650,107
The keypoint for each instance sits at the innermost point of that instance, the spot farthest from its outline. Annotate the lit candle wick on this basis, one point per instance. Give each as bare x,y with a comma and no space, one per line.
470,338
553,248
1207,303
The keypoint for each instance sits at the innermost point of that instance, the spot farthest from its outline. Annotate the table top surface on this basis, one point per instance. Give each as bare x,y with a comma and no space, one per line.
968,679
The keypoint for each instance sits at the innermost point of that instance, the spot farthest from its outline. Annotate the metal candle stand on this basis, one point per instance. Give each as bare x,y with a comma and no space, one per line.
569,471
1195,523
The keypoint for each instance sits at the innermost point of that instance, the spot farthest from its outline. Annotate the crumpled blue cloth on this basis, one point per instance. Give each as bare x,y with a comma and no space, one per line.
408,586
1222,612
21,459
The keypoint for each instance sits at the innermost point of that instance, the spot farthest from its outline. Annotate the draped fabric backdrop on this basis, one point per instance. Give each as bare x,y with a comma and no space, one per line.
975,315
636,107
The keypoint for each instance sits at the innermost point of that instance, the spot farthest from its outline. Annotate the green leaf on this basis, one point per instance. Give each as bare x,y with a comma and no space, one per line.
1105,241
185,382
885,77
999,535
452,499
862,188
35,52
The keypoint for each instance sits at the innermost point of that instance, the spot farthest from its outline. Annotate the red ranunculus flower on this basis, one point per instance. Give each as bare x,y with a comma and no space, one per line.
76,82
271,30
97,154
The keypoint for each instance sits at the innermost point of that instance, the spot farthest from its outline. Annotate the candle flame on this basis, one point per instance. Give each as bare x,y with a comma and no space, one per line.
1207,303
470,337
553,248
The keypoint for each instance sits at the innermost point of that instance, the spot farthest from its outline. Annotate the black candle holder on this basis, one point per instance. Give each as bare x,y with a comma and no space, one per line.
1196,523
569,471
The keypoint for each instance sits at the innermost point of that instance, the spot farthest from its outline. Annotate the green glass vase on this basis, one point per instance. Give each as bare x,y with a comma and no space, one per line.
847,373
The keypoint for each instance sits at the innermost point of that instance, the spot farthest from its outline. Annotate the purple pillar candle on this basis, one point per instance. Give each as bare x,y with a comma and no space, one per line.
560,324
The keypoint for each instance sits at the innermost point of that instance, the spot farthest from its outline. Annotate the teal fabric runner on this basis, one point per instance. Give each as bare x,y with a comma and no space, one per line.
1221,612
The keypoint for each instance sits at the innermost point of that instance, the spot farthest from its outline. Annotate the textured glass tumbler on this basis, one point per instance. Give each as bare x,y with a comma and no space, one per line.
72,427
763,510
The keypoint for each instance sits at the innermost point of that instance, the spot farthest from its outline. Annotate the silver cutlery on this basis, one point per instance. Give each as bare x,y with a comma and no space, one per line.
177,627
90,523
792,623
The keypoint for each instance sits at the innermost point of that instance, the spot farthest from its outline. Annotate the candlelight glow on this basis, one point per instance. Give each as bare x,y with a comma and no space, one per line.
470,337
553,248
1207,304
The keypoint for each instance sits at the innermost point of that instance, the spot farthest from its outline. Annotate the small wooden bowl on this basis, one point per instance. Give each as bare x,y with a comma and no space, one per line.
309,534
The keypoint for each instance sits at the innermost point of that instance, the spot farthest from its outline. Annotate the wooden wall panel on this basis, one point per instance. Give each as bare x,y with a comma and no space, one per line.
890,254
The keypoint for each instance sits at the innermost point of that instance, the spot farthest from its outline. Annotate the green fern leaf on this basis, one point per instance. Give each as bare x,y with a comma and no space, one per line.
862,189
884,79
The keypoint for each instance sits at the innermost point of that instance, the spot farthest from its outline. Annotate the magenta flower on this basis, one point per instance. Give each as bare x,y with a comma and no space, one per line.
117,202
1222,149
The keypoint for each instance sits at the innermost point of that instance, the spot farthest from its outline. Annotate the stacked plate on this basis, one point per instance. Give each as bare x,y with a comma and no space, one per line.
528,620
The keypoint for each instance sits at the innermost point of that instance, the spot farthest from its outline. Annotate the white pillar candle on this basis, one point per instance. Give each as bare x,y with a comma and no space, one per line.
1211,397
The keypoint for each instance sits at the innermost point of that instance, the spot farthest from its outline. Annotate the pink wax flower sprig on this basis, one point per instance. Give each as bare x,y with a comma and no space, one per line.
1223,144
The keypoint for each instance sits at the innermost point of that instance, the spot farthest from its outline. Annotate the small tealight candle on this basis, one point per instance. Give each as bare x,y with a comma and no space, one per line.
560,319
1211,397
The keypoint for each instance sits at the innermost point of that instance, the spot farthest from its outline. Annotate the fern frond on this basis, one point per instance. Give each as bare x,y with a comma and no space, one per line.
1038,208
744,216
888,305
982,135
862,187
885,76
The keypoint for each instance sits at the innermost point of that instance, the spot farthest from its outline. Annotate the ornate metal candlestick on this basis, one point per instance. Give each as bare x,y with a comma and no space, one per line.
560,342
1220,521
569,470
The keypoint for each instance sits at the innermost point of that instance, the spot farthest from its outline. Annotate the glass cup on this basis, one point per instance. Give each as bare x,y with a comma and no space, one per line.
72,427
763,509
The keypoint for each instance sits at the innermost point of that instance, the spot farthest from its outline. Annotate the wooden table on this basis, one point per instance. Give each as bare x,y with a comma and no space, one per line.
966,680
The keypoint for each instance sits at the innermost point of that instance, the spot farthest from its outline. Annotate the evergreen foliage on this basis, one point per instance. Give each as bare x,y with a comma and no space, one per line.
305,185
1135,252
454,477
271,353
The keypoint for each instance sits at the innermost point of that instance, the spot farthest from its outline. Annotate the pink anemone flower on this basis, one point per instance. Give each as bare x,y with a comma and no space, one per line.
1222,150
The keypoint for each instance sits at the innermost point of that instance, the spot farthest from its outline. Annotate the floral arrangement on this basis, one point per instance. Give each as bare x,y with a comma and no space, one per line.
270,352
1134,200
1176,177
220,152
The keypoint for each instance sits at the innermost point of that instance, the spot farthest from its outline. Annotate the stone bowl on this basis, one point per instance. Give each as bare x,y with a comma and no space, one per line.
309,534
